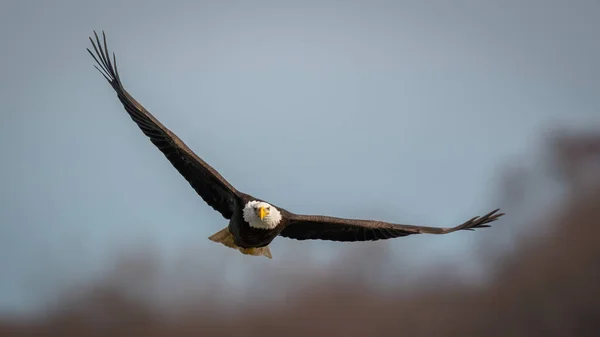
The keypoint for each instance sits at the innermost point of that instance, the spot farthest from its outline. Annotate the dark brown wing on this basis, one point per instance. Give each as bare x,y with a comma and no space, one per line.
316,227
207,182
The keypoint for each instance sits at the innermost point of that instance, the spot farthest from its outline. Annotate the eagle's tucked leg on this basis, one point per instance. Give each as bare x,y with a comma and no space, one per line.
224,236
264,251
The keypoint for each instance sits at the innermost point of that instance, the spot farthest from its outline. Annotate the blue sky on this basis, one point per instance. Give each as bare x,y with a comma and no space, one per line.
405,111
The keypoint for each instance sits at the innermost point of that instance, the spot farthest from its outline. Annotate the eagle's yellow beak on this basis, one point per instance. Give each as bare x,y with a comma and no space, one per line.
262,213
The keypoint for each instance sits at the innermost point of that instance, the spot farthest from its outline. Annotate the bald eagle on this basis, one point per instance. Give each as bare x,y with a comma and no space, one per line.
253,222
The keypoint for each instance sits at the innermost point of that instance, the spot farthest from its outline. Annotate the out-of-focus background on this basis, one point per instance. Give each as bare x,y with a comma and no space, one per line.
420,112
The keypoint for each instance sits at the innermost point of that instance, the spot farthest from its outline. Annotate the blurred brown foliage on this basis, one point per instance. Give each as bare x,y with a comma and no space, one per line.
546,287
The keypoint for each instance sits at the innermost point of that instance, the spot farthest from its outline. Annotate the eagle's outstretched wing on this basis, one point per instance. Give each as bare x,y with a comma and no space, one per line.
317,227
207,182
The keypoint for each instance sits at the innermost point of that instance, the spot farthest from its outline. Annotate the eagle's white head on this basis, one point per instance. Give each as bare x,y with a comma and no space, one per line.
260,214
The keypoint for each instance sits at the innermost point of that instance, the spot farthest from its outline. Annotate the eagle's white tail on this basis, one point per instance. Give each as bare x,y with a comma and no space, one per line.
224,236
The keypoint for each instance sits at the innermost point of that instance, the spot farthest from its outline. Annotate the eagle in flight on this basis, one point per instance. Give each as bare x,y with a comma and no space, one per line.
253,222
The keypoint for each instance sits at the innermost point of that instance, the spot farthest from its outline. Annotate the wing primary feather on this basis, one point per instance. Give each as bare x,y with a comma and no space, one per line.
117,77
106,51
101,54
95,66
101,70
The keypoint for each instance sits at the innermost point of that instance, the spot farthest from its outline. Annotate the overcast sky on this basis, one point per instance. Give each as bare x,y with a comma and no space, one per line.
405,111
